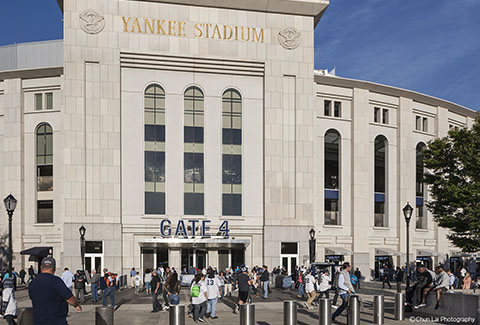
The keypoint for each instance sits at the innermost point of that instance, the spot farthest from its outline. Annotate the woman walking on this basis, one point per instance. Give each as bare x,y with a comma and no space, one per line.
467,281
301,282
147,279
198,292
222,280
173,289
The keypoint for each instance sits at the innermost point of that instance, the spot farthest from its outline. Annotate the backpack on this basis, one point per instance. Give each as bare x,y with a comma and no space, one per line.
195,291
112,283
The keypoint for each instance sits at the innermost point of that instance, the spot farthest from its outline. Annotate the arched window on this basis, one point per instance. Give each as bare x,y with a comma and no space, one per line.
380,181
232,153
154,102
44,160
421,222
332,177
193,155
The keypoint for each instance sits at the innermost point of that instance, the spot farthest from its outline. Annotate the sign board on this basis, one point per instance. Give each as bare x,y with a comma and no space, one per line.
188,229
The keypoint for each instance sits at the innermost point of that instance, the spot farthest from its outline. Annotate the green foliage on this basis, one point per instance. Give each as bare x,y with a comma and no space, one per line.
453,172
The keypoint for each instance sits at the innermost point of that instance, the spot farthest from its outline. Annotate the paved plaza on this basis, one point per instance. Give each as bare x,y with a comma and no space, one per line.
133,310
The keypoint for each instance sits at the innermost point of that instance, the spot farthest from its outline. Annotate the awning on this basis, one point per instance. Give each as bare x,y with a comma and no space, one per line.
386,252
224,243
38,251
460,254
337,251
427,252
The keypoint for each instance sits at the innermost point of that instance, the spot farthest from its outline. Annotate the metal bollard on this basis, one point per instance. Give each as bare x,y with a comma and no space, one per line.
103,315
177,314
353,316
399,306
25,316
290,312
325,311
247,314
378,308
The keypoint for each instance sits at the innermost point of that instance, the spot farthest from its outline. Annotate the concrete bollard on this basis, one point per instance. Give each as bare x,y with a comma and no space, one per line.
378,310
177,314
104,315
325,311
25,316
353,316
399,306
247,314
290,312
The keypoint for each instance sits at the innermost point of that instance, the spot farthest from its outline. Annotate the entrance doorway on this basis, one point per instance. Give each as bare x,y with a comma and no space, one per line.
94,256
289,256
197,258
381,264
152,258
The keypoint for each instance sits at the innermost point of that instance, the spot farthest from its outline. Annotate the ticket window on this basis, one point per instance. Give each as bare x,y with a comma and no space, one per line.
335,259
425,260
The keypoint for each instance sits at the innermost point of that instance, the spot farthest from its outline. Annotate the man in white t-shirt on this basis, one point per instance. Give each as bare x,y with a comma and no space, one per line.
68,277
310,289
213,292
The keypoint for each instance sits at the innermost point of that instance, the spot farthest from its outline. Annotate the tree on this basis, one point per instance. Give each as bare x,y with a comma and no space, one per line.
453,172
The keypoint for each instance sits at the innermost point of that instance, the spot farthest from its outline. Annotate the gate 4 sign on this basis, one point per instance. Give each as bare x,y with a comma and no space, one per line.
188,228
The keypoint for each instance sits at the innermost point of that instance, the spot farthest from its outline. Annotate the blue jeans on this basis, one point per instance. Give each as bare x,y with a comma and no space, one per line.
109,291
342,307
174,299
94,292
265,289
301,292
212,307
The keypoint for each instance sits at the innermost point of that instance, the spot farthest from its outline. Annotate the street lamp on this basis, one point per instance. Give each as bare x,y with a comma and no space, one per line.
10,205
82,231
407,213
312,245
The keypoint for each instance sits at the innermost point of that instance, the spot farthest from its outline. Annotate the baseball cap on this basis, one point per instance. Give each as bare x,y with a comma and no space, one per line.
49,262
244,269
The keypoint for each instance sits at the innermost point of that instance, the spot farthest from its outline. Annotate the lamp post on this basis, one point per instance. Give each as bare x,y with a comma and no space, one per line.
312,245
82,231
407,213
10,205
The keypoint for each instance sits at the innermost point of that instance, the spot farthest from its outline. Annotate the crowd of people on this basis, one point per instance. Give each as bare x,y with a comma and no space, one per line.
50,295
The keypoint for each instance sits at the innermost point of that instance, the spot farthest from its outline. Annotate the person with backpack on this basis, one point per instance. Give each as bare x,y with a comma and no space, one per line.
156,290
110,283
345,289
198,292
79,281
213,293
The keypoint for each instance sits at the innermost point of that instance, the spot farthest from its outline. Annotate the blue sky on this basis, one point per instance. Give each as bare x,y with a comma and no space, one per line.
430,46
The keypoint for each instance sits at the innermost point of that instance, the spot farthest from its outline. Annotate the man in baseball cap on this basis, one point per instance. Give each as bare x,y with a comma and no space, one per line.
50,296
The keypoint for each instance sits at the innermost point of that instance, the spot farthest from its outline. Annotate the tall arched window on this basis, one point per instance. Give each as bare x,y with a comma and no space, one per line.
332,177
154,102
380,181
232,153
421,222
44,160
193,155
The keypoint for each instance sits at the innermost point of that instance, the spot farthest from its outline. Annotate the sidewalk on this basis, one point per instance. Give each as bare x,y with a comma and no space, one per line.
133,310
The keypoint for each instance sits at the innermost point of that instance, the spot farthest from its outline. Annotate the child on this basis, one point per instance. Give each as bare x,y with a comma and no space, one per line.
137,282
